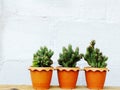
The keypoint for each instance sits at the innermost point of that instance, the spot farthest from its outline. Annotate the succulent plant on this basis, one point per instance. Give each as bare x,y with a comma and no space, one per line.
69,57
42,58
94,57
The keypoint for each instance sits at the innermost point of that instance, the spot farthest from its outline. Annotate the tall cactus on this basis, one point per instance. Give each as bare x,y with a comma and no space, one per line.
94,57
42,58
69,57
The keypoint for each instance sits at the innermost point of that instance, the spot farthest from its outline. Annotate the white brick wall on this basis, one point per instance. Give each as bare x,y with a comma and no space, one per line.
1,27
29,24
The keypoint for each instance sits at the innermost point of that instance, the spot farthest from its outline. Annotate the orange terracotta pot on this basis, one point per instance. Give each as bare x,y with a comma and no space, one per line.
41,77
67,77
95,77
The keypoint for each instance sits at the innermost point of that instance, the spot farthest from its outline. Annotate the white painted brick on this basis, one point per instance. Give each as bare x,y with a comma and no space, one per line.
43,8
0,8
13,73
113,11
94,9
1,31
26,33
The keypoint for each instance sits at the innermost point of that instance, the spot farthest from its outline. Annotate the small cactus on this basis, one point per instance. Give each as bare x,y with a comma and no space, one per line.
69,57
94,57
42,58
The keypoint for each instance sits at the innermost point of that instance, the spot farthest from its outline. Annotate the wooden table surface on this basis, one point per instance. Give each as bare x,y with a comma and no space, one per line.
29,87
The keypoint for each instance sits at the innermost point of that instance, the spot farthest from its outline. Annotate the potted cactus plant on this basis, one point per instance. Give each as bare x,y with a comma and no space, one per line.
41,70
67,71
96,73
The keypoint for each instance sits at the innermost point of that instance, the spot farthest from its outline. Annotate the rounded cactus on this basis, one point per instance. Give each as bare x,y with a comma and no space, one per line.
42,58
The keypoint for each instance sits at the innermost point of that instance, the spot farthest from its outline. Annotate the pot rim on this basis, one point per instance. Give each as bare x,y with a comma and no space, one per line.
40,68
95,69
67,68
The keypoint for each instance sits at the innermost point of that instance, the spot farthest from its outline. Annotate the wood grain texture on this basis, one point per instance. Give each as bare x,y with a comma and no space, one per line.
29,87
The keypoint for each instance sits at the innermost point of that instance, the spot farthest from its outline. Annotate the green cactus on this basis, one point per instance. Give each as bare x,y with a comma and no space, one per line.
94,57
69,57
42,58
